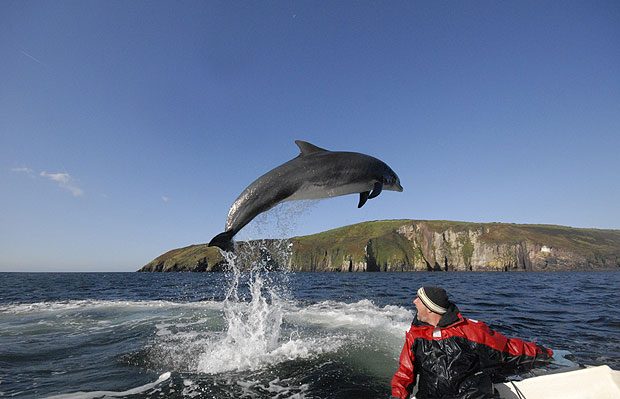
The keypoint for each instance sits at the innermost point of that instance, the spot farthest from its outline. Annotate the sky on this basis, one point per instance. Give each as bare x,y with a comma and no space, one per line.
128,128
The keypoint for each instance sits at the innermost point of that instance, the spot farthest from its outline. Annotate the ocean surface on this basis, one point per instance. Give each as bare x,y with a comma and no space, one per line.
269,334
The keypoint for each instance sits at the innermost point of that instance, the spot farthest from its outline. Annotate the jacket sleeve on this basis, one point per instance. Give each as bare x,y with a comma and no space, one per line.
404,378
511,354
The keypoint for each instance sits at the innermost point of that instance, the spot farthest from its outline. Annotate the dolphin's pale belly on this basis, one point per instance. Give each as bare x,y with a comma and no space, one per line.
315,173
317,192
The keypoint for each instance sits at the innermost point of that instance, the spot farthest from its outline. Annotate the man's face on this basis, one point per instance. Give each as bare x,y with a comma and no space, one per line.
423,311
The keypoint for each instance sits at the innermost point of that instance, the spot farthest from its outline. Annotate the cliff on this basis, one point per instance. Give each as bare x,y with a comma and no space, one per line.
418,245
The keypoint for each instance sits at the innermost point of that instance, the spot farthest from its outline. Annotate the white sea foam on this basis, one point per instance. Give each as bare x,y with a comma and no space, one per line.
278,389
54,306
112,394
226,356
235,334
264,333
269,330
559,358
358,315
252,339
191,389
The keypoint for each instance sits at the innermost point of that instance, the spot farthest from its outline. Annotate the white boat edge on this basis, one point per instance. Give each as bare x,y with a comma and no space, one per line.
599,382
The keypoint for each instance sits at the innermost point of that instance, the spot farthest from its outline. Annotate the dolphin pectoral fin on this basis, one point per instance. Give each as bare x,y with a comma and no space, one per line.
376,190
307,148
366,195
363,198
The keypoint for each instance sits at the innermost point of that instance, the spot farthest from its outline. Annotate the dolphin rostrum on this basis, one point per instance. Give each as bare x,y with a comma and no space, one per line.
315,173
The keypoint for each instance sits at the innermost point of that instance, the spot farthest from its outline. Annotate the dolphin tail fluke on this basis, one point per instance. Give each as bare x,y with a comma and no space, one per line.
223,241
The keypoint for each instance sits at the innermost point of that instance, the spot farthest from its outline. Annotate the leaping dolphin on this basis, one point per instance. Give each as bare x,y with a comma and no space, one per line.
315,173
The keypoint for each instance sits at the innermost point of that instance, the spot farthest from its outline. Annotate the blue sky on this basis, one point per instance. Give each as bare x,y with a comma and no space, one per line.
129,128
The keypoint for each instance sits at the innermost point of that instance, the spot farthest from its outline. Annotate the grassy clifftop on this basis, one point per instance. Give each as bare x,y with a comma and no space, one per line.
195,258
411,245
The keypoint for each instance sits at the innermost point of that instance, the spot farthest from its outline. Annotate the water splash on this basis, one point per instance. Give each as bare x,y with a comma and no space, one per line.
280,221
256,300
254,325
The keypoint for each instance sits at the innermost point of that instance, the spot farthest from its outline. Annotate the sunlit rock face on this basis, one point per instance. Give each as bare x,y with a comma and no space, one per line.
411,245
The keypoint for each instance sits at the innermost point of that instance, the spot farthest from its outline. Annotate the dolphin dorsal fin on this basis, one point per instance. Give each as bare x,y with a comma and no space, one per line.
307,148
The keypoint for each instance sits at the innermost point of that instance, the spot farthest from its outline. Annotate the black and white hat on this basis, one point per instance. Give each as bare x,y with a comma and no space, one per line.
434,298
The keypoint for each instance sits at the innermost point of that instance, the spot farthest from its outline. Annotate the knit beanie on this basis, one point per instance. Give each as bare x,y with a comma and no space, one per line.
434,298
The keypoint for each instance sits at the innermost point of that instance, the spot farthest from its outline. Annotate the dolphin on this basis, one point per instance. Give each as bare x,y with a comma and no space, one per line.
315,173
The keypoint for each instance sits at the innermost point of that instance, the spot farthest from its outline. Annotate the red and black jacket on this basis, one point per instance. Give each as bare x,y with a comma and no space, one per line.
460,358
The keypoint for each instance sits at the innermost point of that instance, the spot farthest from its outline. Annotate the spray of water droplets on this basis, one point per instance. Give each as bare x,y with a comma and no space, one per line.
253,319
256,300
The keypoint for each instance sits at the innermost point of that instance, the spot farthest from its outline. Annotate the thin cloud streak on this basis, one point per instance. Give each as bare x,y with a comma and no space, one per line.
64,180
31,57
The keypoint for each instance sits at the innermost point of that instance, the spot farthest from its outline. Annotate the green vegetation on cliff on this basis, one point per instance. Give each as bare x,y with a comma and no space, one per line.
349,246
196,258
411,245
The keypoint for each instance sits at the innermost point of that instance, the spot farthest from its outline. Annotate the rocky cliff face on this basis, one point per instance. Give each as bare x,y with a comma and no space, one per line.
409,245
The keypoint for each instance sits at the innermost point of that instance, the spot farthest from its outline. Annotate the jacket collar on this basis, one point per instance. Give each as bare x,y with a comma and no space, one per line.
451,317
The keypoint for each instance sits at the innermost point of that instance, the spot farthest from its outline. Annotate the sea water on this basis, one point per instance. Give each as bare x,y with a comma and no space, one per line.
262,334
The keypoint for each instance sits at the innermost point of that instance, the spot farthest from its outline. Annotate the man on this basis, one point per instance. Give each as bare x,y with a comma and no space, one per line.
456,357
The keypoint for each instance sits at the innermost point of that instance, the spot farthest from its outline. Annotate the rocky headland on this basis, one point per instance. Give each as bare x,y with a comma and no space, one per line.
419,245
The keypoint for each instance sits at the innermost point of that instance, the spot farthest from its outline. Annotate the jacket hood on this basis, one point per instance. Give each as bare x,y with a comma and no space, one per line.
452,316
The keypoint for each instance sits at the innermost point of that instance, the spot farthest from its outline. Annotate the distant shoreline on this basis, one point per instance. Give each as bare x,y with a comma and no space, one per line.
418,246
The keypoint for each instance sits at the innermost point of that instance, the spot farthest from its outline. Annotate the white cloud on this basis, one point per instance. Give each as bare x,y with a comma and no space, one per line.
165,199
24,169
65,181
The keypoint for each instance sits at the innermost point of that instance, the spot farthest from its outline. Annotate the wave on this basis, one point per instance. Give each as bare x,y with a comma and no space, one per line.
331,337
264,335
54,306
362,314
113,394
255,331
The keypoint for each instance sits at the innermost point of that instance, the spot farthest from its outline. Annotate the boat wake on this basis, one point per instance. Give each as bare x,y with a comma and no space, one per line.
113,394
